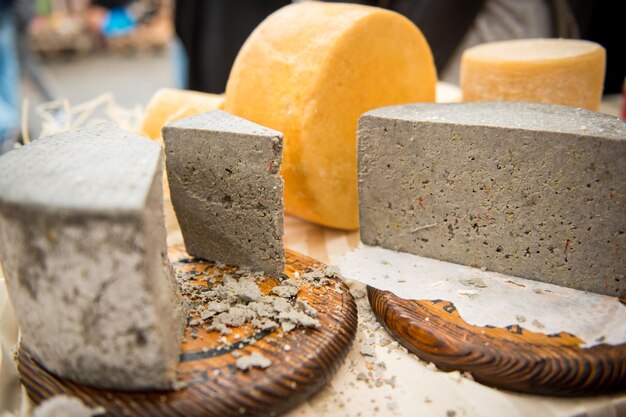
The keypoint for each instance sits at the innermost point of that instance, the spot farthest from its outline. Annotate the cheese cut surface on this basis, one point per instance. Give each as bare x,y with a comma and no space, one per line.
82,245
525,189
558,71
226,189
310,70
168,105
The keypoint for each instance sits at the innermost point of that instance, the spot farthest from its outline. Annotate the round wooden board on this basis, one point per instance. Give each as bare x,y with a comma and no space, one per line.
511,358
215,386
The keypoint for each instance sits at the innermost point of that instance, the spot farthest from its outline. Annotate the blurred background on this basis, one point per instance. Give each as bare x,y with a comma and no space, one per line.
111,56
77,50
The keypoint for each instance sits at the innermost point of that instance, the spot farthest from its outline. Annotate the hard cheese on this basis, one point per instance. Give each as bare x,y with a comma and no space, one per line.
310,70
559,71
168,105
524,189
226,189
83,249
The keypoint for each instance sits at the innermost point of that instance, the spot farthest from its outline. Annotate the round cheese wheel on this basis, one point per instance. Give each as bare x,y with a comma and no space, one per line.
310,70
168,105
558,71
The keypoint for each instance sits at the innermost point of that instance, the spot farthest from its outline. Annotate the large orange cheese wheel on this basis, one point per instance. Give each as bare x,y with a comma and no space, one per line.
169,104
558,71
310,70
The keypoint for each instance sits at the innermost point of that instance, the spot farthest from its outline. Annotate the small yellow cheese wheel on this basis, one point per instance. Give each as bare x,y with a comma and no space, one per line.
168,105
310,70
558,71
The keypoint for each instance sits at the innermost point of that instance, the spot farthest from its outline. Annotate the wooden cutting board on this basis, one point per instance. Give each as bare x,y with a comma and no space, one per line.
511,358
303,360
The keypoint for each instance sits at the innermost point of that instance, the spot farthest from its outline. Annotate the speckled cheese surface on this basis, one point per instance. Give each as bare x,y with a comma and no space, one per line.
226,189
533,190
82,245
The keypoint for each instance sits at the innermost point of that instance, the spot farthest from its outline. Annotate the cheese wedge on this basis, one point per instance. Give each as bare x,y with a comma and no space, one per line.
310,70
168,105
226,189
558,71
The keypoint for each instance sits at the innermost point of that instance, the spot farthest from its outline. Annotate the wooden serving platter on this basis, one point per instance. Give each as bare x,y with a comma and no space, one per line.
511,358
303,360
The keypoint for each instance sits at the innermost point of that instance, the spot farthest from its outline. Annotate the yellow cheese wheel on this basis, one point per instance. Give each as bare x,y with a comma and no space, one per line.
558,71
310,70
168,105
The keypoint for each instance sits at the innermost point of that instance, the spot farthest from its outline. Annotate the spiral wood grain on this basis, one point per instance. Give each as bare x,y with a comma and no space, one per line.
215,386
511,358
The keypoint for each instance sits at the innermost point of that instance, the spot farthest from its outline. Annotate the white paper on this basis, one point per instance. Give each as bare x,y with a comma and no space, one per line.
488,298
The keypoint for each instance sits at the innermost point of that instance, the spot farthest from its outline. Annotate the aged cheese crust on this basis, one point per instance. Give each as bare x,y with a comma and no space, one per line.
82,244
226,189
524,189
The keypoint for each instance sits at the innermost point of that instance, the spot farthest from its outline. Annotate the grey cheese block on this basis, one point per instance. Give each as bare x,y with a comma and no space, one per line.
226,189
82,244
530,190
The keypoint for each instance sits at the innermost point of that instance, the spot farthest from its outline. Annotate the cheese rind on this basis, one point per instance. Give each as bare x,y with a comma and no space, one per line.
524,189
558,71
168,105
226,189
310,70
82,244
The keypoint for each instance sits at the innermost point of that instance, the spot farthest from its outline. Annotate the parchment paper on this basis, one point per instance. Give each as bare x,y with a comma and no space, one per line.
488,298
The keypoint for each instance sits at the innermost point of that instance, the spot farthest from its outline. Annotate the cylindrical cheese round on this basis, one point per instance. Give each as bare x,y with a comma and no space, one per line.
558,71
310,70
168,105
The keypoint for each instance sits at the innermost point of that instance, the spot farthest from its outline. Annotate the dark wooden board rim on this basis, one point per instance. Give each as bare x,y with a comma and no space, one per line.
511,358
294,375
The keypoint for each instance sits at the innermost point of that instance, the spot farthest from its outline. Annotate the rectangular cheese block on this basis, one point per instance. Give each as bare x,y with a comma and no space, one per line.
532,190
226,189
82,245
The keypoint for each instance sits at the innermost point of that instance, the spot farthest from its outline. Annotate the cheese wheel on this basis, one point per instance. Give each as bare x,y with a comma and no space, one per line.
558,71
310,70
168,105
